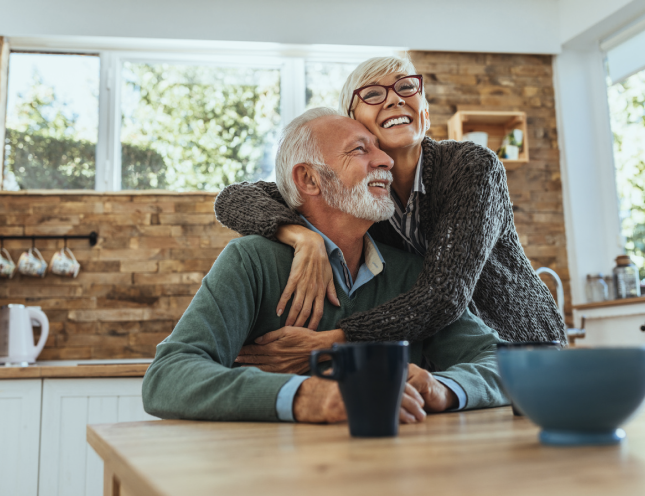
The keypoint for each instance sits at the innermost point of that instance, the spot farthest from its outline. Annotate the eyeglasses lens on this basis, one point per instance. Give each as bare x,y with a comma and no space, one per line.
373,94
407,86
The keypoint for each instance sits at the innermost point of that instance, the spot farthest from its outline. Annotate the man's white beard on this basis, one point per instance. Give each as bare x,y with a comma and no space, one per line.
358,201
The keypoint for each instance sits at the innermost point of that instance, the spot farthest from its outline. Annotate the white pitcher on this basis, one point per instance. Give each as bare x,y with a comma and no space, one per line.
17,333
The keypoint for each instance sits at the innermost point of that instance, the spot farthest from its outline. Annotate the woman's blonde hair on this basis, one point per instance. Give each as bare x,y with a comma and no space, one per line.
371,71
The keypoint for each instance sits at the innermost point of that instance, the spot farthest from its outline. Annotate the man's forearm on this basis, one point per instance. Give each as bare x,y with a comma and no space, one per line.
465,353
182,383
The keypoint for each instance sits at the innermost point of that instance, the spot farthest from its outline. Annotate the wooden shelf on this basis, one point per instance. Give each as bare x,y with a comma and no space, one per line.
497,124
610,303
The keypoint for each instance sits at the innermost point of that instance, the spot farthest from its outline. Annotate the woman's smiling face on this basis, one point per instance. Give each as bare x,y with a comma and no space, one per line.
397,122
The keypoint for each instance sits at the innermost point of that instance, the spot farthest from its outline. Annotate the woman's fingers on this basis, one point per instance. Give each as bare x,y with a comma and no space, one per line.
305,311
292,283
319,305
296,306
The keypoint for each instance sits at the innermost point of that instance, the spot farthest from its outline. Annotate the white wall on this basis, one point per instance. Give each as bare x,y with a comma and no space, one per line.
584,132
588,181
526,26
577,16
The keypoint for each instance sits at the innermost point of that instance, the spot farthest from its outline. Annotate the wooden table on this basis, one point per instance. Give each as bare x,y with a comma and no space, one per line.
484,452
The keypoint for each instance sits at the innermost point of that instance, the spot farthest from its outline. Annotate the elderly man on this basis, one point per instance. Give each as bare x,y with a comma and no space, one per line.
331,170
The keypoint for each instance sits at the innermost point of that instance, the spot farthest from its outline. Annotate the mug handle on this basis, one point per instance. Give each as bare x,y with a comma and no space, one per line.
39,254
4,250
315,366
70,253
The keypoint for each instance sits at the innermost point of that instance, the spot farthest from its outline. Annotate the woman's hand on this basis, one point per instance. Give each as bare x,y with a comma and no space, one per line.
310,280
287,350
436,396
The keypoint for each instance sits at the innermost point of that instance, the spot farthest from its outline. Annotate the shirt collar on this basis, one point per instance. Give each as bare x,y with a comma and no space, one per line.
374,261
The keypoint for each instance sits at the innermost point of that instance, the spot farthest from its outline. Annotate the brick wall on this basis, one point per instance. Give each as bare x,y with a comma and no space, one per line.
134,285
154,248
469,81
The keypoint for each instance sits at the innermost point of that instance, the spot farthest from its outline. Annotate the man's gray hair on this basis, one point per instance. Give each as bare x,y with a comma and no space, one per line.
298,145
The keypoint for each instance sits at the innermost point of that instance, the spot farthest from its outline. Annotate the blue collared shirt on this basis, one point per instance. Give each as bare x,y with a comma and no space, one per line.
372,266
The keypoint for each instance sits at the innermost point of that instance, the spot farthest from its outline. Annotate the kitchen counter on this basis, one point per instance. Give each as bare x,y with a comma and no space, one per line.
610,303
77,369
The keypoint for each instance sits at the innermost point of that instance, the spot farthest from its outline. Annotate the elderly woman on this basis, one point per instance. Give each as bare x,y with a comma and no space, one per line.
452,208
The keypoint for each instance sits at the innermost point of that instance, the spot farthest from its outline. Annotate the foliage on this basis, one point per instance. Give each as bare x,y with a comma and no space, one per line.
184,127
627,108
45,162
42,150
212,126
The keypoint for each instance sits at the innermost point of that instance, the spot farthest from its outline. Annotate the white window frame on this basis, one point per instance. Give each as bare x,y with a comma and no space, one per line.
113,52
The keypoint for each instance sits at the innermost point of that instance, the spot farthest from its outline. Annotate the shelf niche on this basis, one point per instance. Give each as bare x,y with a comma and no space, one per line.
497,124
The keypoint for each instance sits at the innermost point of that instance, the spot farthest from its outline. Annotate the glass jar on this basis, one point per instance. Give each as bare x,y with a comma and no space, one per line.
596,288
609,281
626,280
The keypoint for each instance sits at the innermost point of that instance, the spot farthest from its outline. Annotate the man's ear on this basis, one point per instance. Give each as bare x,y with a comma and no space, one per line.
306,179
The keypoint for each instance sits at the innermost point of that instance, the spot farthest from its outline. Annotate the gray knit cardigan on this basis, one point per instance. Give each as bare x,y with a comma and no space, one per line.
474,255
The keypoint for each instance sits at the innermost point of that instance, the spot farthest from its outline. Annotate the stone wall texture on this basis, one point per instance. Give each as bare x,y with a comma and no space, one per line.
155,247
152,253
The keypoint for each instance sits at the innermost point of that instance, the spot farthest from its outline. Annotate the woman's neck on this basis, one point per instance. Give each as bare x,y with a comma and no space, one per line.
405,164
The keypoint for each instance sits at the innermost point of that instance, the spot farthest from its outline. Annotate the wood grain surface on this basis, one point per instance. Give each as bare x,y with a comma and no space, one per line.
610,303
483,452
103,370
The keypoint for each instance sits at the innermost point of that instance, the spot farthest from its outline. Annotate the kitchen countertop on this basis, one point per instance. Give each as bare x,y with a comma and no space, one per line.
77,369
610,303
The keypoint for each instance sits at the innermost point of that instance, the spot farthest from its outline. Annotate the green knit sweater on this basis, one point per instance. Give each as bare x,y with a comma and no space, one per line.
193,375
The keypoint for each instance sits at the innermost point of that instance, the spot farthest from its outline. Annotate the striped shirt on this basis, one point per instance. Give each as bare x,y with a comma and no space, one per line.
407,219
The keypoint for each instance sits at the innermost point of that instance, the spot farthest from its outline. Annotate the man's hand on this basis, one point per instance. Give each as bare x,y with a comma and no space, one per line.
411,406
436,396
319,401
287,350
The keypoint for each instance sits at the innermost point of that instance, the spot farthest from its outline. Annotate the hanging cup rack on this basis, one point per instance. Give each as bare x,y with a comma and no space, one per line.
92,237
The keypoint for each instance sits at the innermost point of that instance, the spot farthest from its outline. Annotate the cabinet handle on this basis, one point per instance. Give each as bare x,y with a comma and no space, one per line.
643,328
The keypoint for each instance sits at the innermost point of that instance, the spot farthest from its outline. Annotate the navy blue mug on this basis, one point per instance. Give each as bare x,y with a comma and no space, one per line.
371,377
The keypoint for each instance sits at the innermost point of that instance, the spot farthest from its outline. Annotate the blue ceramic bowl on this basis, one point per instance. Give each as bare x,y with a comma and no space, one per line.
577,396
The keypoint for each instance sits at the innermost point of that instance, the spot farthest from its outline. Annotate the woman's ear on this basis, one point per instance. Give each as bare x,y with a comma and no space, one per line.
426,114
306,179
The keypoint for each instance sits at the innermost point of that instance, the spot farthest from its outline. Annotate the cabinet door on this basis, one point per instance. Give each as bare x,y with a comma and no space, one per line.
19,436
619,325
68,465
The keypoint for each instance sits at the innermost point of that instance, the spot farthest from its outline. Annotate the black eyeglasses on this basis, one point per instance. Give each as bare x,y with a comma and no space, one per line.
375,94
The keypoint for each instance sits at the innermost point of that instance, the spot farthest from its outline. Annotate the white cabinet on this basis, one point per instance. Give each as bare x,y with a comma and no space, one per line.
615,323
68,466
19,436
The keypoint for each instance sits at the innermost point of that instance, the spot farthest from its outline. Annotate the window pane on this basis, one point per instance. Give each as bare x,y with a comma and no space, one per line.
52,121
324,81
627,108
189,127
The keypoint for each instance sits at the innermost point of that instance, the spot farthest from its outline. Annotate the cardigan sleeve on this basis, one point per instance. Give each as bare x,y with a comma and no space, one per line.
254,208
472,213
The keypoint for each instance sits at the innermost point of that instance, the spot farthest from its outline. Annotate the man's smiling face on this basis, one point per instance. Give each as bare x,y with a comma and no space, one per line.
358,178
